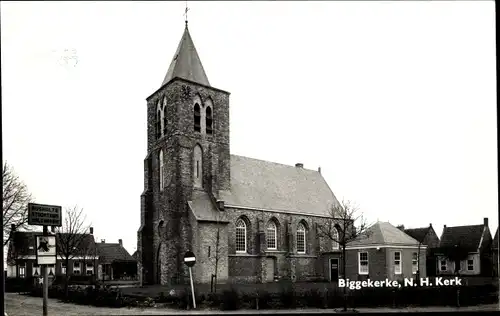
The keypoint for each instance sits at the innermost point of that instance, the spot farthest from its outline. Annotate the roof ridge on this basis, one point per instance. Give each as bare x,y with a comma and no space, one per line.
273,162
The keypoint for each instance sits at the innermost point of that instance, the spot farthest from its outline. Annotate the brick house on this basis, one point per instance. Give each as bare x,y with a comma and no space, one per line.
115,263
428,237
21,258
384,252
495,254
474,241
257,219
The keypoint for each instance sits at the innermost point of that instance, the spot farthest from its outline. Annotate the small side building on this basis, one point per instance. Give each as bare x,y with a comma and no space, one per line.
384,252
115,263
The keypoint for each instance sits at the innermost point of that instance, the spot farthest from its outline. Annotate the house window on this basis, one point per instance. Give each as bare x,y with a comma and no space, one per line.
198,166
363,262
271,235
63,268
161,162
22,270
90,269
443,265
470,265
209,121
335,241
397,262
241,236
414,263
36,270
301,239
50,269
197,118
76,268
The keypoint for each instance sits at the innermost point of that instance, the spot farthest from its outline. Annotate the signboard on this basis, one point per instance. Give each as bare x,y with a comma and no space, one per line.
44,215
45,249
189,259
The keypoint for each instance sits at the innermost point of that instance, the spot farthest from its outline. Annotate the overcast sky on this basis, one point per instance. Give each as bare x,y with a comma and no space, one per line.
395,101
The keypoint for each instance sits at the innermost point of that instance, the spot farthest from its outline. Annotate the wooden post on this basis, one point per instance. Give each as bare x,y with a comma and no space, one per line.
45,279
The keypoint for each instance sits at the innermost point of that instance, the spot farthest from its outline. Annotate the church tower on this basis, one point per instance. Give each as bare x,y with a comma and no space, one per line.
187,150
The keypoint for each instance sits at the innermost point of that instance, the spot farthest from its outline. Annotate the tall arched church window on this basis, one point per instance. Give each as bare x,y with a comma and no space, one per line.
197,118
158,122
241,236
271,235
197,167
161,162
301,239
209,121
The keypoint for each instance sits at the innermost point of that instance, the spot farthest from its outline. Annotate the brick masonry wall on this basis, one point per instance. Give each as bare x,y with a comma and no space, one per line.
381,263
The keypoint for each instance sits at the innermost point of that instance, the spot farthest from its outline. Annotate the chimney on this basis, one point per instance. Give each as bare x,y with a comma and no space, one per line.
401,227
444,226
485,221
319,170
299,165
103,241
91,230
430,225
120,242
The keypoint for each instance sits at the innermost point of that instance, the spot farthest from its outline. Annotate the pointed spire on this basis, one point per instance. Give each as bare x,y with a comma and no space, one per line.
186,63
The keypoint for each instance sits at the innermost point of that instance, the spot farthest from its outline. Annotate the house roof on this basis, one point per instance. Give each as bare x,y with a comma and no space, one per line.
417,233
272,186
186,63
109,253
383,233
204,209
467,237
23,243
495,240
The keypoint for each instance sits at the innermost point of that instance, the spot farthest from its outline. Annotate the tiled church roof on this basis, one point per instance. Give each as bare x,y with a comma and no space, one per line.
271,186
383,233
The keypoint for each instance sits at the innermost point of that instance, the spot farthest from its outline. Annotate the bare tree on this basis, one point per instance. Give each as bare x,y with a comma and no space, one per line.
15,203
219,249
344,224
71,236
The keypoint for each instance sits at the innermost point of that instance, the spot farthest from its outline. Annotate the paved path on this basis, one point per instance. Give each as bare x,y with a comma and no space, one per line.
23,305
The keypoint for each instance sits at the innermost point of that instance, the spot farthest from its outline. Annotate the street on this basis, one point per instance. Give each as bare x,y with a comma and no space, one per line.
22,305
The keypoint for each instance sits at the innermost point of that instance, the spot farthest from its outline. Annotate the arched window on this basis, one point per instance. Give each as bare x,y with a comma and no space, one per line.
161,170
335,239
209,121
158,122
164,112
301,239
241,236
197,167
271,236
162,122
197,118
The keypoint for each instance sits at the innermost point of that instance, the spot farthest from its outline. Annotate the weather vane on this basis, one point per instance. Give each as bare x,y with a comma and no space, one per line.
186,13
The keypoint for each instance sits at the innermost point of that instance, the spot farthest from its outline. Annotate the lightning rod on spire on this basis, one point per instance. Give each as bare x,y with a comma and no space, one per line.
186,14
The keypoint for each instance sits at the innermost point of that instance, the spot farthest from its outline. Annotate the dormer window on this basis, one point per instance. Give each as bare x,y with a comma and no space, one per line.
209,121
197,118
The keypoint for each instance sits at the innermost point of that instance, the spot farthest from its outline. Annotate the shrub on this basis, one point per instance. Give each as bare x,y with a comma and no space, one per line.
229,300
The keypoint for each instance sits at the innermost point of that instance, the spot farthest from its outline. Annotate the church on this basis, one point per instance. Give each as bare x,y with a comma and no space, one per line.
246,220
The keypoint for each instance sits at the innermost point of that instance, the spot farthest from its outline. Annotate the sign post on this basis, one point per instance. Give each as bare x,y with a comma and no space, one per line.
45,215
190,260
